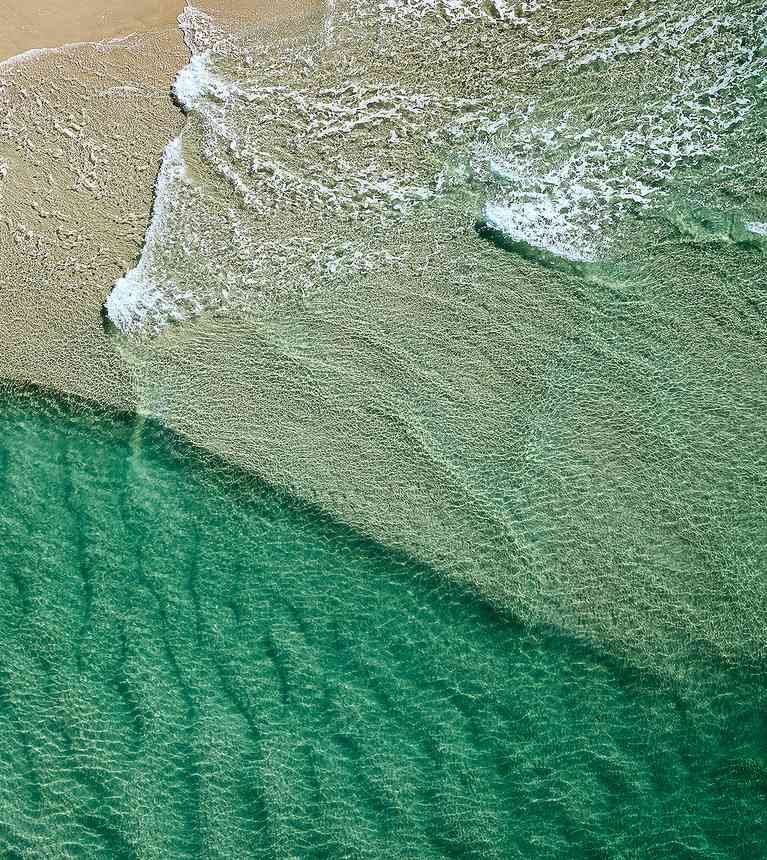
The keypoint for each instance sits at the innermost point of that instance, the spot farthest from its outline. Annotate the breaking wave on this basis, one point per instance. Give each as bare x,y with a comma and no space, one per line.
310,151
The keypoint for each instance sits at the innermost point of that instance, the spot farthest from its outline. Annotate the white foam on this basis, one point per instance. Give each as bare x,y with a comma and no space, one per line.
200,31
138,297
192,81
457,11
541,222
758,228
567,180
308,159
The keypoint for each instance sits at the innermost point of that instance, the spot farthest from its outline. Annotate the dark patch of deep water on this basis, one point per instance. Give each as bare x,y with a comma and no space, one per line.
194,665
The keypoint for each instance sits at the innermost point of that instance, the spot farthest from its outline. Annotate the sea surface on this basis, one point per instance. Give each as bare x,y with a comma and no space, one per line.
486,282
440,528
193,664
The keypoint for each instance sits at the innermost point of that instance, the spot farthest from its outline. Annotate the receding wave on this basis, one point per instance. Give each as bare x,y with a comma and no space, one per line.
343,133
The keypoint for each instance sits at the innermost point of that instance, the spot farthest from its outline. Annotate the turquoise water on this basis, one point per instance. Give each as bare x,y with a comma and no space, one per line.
474,294
194,665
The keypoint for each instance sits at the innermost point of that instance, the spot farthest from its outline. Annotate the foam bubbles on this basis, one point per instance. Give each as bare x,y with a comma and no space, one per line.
139,301
192,81
350,133
542,222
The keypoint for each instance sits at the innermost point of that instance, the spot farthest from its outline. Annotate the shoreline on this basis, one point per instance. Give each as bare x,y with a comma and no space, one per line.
75,222
72,223
54,24
36,53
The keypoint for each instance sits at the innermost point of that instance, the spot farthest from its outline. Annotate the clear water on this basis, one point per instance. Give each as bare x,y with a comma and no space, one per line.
193,664
488,290
464,303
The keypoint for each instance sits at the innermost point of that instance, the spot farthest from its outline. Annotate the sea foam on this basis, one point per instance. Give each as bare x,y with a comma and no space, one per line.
137,301
312,146
192,81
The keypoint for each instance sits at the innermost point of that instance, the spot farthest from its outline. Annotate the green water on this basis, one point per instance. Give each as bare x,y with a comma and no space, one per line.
193,665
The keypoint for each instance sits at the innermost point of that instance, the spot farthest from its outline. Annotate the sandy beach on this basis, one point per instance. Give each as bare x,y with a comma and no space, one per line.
50,23
79,149
84,129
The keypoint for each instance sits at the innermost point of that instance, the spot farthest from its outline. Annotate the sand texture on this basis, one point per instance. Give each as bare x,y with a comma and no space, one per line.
82,131
50,23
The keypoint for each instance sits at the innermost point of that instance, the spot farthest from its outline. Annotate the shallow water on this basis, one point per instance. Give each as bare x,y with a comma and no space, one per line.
334,147
193,664
473,294
488,290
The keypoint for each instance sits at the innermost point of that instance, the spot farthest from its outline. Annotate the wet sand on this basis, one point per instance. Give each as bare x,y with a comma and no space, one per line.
26,25
82,131
51,23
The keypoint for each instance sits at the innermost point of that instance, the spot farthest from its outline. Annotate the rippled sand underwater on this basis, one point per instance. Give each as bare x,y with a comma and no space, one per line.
440,530
194,664
488,287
